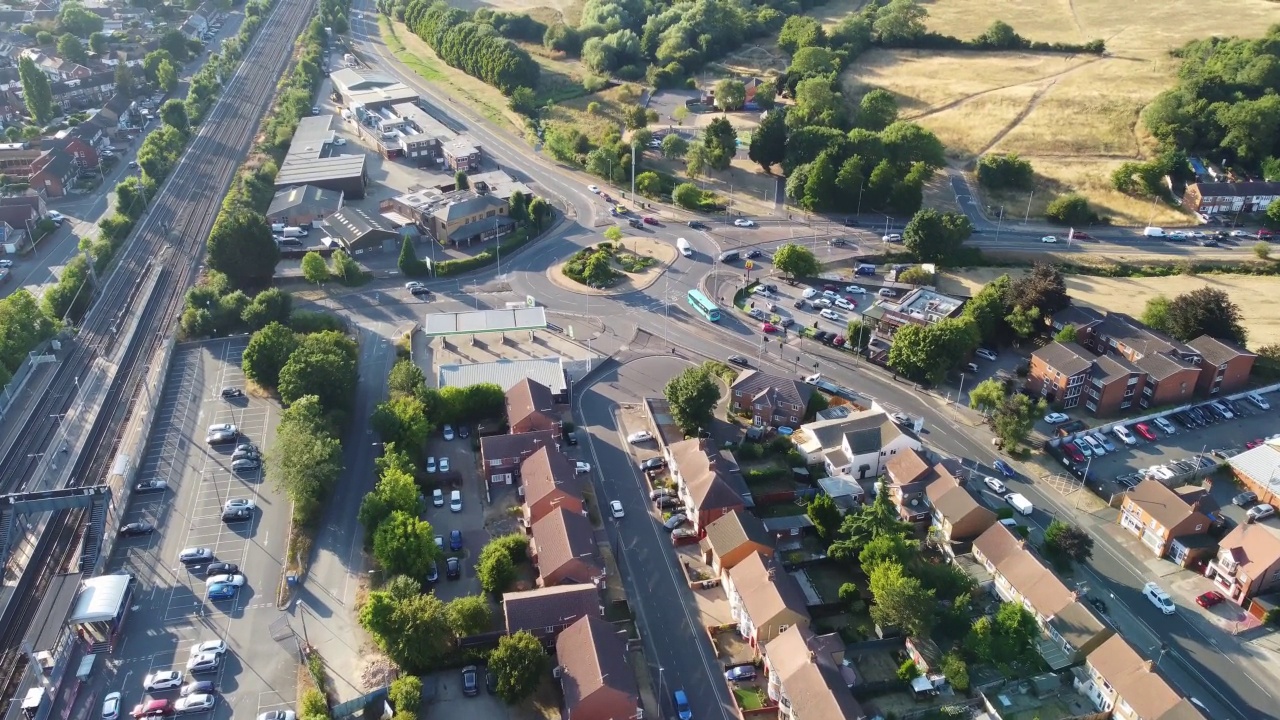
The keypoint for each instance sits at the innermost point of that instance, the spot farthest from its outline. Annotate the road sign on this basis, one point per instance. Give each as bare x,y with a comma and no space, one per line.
749,264
529,301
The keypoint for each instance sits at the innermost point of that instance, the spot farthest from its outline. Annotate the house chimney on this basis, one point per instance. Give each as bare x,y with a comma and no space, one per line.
1148,665
812,657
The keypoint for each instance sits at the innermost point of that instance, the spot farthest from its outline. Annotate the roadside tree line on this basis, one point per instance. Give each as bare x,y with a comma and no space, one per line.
475,48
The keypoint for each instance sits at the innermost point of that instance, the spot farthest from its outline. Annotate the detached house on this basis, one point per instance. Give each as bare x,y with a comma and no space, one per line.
564,549
858,445
808,678
549,482
1248,563
771,399
703,476
763,599
1121,683
531,407
734,537
907,477
1168,523
1070,630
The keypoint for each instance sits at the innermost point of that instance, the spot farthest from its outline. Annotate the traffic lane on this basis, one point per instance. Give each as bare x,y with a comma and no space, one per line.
661,600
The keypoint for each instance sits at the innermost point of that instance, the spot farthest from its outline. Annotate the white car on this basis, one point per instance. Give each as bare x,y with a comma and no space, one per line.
1056,418
856,290
1256,399
163,680
594,189
1260,511
444,464
996,486
223,428
6,263
1159,598
1239,233
1125,435
111,706
339,141
581,468
986,354
639,436
194,703
845,304
1165,425
238,503
431,464
743,222
216,647
236,580
615,509
1049,239
892,238
1094,445
808,293
831,315
412,285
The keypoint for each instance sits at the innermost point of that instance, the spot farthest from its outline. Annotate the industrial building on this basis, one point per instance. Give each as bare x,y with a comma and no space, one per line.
314,159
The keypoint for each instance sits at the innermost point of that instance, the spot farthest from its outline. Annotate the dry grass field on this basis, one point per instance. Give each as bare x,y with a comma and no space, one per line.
1130,295
1075,117
546,11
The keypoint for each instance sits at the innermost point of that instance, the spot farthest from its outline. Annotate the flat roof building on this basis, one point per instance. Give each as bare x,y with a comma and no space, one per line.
311,160
506,373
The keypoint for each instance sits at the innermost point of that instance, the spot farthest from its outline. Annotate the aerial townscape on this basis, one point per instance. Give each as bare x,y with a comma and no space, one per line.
639,360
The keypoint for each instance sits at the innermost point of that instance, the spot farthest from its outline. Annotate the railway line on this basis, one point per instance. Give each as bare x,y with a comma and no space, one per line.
167,245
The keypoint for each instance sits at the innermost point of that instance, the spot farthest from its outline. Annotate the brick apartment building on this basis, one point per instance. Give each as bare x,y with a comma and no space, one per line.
1117,364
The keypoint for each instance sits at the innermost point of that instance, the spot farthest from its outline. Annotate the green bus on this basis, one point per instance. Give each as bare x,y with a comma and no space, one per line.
704,306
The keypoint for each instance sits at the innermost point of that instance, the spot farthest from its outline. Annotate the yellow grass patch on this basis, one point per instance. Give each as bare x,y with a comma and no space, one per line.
1130,295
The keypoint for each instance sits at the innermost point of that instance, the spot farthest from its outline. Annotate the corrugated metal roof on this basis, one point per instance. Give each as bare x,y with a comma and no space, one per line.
506,373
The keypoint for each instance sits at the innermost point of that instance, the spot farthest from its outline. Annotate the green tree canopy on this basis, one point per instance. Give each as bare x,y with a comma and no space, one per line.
1015,417
730,94
267,353
240,246
324,365
825,515
877,110
395,491
405,545
403,420
987,395
769,141
70,47
927,352
796,261
36,93
1207,311
901,601
1043,288
693,395
674,147
469,615
936,237
720,142
305,460
1067,543
519,663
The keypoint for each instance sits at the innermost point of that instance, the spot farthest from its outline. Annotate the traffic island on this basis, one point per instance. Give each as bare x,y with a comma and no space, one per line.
635,263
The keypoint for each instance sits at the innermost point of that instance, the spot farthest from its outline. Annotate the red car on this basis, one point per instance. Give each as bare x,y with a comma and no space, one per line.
1253,444
768,327
1265,234
1144,431
153,708
1077,235
1073,452
1209,599
839,341
650,220
830,287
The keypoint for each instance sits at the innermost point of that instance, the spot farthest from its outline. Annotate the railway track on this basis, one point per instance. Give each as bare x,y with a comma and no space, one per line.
168,242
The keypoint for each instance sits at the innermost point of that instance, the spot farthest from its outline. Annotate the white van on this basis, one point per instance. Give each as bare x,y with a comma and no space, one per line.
1019,503
293,232
1153,232
684,247
277,227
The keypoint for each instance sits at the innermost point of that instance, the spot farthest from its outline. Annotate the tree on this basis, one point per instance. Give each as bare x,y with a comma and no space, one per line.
769,141
796,261
1156,314
523,102
539,212
268,351
767,94
906,143
469,615
1067,542
313,705
36,93
174,114
1015,417
800,31
496,566
1070,209
866,524
405,694
857,335
241,247
888,548
395,492
44,38
899,22
70,48
99,42
926,353
519,663
314,268
413,629
693,395
825,515
167,76
936,237
324,365
405,545
1272,217
1042,288
403,420
1023,321
636,117
915,276
695,161
680,114
877,110
305,460
816,104
688,196
820,190
1207,311
1262,249
730,94
674,147
987,395
75,19
460,180
956,671
1066,335
613,233
720,141
900,600
640,140
649,184
1006,641
1005,172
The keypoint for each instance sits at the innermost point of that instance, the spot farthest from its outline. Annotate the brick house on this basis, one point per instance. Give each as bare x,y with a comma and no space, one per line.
808,678
1228,197
763,599
1248,563
1120,683
958,517
1069,630
53,173
702,476
1168,523
771,399
907,477
1225,366
732,538
531,407
501,455
544,612
549,482
564,549
595,678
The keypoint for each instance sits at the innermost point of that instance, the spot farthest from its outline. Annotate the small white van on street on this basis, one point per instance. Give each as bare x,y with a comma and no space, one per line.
1154,232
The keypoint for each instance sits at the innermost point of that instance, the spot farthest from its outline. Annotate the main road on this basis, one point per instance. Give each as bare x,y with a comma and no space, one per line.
1195,662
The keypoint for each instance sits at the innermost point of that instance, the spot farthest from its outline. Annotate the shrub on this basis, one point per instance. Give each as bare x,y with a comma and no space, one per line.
750,451
1070,209
908,671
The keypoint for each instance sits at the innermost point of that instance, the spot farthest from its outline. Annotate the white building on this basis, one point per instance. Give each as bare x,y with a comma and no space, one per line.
858,445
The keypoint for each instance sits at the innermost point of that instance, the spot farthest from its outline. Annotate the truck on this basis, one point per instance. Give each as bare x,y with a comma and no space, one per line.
684,247
1019,503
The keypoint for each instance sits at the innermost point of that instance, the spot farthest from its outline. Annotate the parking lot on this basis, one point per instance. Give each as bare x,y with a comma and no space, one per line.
171,614
462,476
1179,450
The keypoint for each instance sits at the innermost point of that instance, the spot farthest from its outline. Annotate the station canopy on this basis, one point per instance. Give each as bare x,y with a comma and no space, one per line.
479,322
100,599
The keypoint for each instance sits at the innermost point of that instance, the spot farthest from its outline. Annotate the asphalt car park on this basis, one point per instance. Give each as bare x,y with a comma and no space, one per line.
1178,451
461,476
170,614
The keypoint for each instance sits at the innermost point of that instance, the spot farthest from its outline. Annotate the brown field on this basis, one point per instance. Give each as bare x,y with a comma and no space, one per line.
546,11
1075,117
1130,295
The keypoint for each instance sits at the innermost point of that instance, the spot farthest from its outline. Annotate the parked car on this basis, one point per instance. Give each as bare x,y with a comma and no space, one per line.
1056,418
1145,431
1245,499
1073,452
453,568
191,556
137,528
220,591
1125,435
245,464
448,432
653,463
111,706
455,540
199,702
741,673
639,436
1159,598
204,663
431,464
1209,599
162,680
1257,400
1165,425
1260,512
152,708
1104,441
1092,443
470,681
986,354
659,492
675,521
581,468
1005,468
232,392
996,486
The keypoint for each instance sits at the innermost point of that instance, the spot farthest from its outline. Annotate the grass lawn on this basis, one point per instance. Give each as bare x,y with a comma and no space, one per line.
749,698
827,579
1016,102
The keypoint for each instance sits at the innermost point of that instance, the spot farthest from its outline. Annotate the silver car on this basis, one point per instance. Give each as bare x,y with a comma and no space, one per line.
199,702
